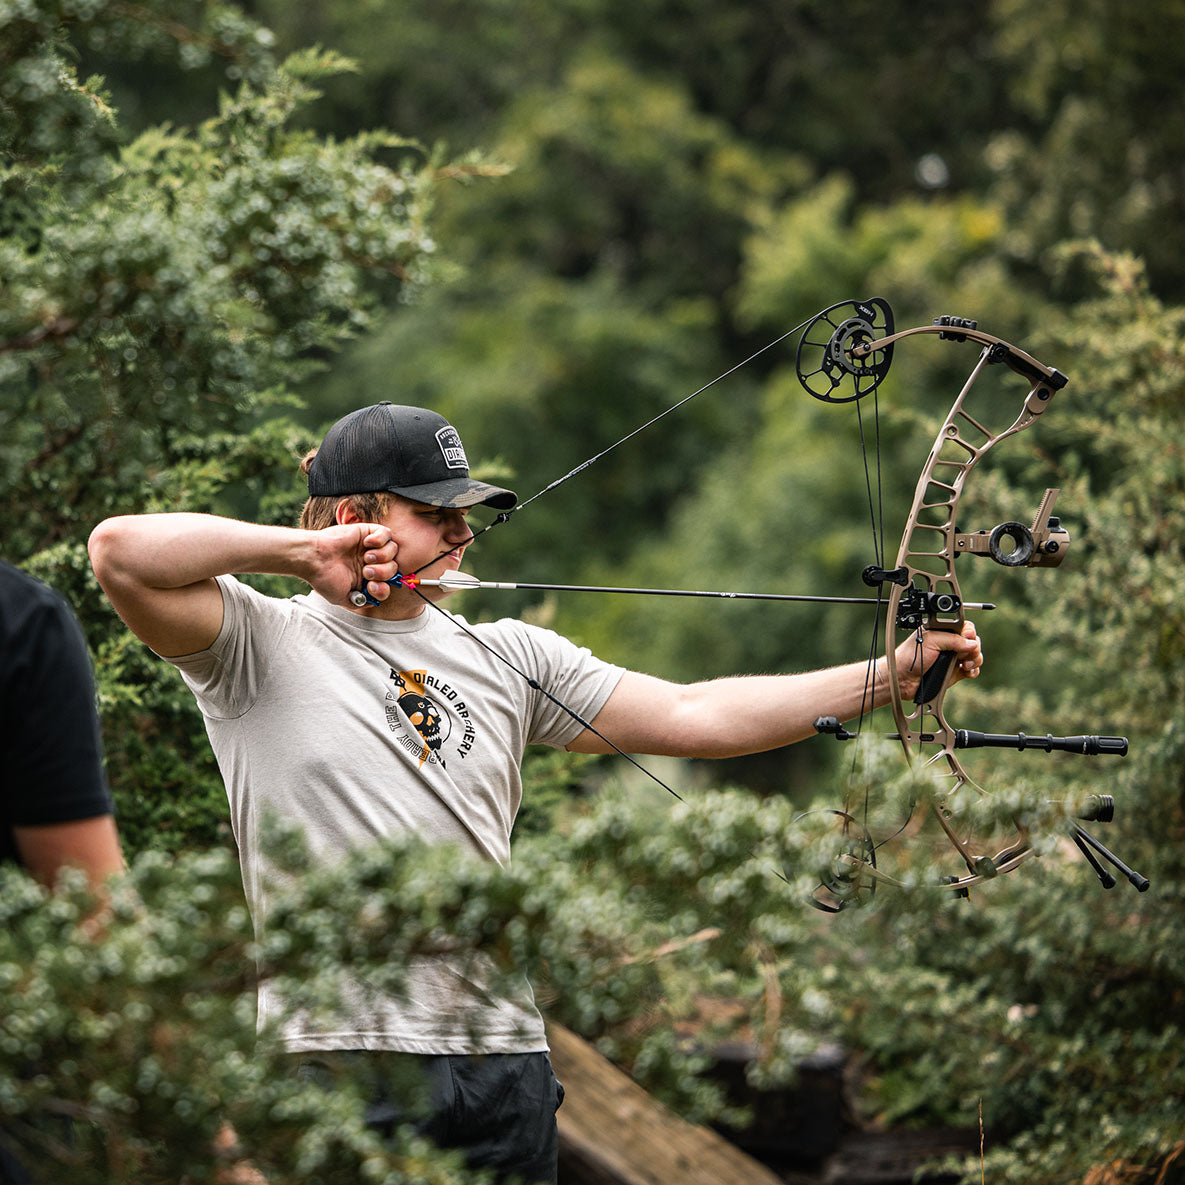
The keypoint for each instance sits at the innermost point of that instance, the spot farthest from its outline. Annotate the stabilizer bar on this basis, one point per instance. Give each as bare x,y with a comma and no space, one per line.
1088,746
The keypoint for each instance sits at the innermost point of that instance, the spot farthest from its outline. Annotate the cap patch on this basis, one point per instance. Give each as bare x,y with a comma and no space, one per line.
451,449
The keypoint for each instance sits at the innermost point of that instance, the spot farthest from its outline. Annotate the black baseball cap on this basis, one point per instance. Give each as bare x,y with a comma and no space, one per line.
409,451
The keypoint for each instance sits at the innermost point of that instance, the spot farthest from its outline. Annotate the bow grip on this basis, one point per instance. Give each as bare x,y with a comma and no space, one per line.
934,678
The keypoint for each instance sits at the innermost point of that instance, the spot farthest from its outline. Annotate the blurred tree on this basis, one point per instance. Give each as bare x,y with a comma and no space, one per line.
1094,152
844,90
166,289
160,293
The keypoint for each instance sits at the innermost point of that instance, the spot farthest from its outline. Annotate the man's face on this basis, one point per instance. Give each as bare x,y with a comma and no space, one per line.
430,539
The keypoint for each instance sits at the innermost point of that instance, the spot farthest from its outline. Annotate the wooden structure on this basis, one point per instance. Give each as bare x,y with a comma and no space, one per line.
613,1133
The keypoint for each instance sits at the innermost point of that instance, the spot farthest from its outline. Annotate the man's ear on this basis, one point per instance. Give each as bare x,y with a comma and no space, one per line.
344,513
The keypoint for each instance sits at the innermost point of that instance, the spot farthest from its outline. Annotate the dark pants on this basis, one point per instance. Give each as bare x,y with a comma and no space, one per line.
498,1109
11,1172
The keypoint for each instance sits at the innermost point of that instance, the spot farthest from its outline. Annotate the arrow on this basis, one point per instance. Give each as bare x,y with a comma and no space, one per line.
460,581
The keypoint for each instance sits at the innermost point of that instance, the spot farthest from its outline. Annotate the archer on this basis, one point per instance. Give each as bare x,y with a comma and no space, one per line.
390,492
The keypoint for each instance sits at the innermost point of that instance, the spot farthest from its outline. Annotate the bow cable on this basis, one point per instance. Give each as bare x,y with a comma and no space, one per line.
535,685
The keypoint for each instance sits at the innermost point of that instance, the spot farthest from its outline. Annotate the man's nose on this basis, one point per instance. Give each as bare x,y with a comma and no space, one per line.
456,529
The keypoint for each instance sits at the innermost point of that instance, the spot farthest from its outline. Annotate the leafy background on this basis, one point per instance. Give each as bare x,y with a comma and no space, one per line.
223,226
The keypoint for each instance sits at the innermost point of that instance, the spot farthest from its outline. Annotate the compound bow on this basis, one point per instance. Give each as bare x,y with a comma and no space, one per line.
843,356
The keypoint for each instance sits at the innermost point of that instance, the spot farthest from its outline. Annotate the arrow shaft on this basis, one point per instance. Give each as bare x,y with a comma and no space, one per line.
459,585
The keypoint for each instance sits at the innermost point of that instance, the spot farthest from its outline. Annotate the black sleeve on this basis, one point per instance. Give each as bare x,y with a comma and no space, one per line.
51,760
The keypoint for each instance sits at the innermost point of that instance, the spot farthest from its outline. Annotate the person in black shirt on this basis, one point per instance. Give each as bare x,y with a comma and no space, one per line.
55,805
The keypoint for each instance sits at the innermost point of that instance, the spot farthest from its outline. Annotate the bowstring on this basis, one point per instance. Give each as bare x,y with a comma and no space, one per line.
505,515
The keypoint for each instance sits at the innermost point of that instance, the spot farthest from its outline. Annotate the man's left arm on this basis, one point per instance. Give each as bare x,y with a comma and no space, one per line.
750,714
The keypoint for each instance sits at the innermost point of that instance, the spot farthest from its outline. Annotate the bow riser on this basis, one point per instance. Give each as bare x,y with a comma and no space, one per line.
930,545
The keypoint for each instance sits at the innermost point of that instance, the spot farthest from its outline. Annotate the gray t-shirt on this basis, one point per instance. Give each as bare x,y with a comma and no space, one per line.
356,730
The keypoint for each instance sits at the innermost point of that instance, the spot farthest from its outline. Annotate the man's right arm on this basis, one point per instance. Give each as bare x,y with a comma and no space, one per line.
158,569
89,844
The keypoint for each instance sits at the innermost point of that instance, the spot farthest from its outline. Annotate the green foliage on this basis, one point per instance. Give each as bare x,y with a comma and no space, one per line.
203,269
1083,81
128,1054
551,779
1003,1005
143,1033
162,292
616,173
679,183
